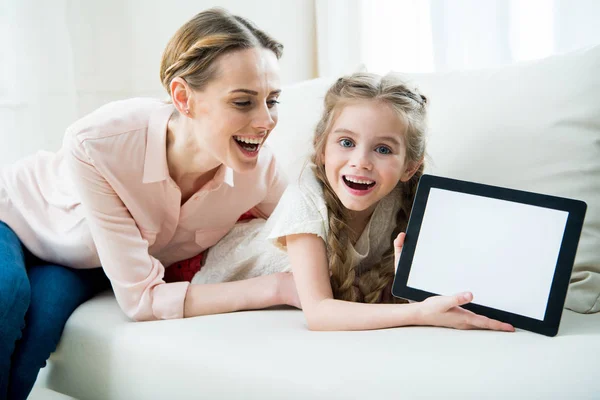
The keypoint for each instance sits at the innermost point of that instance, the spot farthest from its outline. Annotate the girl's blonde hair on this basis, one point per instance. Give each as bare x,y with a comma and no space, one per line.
192,51
411,108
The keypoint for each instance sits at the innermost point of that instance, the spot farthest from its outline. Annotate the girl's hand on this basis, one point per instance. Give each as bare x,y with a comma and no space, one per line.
398,243
286,290
446,311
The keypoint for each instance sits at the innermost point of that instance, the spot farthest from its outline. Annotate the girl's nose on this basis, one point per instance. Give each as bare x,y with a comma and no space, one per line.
361,160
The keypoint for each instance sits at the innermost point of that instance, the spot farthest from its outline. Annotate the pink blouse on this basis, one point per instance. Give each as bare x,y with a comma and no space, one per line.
106,198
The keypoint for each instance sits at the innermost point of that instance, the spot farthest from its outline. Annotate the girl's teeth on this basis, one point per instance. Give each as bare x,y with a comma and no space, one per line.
359,181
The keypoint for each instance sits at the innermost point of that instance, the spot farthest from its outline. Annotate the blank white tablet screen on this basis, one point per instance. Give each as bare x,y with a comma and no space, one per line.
503,252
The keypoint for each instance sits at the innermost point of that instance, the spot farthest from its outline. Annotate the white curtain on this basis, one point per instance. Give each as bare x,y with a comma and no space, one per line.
60,59
443,35
55,67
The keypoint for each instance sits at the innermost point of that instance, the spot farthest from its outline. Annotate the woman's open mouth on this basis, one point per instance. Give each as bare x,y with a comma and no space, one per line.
358,186
248,145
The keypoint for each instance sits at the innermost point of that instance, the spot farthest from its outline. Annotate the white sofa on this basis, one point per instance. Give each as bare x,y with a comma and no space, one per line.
532,126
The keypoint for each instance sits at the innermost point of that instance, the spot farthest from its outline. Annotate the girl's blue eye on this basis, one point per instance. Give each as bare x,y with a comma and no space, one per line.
383,150
346,143
272,103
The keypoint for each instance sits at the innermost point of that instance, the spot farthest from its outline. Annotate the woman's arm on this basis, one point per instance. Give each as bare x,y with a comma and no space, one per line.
311,272
250,294
136,276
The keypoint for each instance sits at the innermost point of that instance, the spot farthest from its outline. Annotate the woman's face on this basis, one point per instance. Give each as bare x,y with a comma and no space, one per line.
233,115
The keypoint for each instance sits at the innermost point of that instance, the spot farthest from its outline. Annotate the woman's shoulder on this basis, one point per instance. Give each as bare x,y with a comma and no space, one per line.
117,117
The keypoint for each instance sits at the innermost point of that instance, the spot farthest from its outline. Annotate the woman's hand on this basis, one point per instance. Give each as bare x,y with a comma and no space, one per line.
446,311
286,290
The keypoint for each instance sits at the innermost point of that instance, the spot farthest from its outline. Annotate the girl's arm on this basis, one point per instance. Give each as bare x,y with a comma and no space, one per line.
308,258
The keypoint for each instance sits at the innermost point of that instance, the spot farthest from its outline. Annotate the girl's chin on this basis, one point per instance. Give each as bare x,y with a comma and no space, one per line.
355,206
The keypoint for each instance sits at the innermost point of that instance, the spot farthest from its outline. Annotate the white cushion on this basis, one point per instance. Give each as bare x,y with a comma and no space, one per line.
271,354
532,126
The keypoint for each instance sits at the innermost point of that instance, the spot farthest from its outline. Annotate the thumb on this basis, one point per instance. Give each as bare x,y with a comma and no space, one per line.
458,300
398,244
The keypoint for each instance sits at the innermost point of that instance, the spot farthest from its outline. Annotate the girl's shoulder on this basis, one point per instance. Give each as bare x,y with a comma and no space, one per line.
302,209
308,184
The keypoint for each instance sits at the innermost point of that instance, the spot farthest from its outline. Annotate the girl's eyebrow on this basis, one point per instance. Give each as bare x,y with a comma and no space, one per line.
344,130
392,139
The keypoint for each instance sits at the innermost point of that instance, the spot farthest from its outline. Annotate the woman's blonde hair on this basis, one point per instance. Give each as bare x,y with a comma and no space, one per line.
193,49
411,109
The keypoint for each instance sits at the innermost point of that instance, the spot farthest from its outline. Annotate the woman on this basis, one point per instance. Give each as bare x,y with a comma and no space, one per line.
138,185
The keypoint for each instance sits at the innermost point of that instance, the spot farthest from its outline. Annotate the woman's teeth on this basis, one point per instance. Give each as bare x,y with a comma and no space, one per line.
248,144
248,140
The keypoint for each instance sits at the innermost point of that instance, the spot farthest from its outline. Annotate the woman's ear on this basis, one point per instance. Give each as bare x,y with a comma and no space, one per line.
412,168
181,95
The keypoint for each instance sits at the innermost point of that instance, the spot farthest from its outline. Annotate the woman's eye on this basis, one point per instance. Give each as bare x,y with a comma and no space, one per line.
383,150
242,103
272,103
346,143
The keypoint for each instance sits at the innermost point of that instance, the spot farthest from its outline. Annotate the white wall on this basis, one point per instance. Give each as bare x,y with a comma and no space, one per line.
64,58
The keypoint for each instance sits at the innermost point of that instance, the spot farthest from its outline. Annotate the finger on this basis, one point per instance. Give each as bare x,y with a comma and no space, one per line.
399,241
398,244
482,322
460,299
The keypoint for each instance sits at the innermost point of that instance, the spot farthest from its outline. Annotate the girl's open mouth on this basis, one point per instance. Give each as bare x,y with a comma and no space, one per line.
358,184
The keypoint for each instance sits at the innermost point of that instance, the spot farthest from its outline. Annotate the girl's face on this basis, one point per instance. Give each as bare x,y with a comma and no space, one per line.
233,115
365,154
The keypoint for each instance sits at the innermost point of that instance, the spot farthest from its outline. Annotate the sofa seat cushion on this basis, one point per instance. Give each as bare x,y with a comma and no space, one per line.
270,354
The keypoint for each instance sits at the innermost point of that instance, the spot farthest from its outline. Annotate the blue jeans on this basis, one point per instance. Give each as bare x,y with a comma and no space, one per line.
36,299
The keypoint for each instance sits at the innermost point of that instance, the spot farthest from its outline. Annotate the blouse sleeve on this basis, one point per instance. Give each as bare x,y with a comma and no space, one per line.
136,277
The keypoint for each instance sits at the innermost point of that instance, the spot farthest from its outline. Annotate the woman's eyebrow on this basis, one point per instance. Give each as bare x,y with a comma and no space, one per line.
253,92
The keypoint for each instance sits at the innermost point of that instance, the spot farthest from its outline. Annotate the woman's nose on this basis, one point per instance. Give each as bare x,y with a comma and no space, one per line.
265,119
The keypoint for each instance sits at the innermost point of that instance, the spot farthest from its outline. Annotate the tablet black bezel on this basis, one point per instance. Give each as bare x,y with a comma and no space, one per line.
566,257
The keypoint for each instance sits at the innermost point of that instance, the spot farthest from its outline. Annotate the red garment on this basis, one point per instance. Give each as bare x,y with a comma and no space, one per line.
186,269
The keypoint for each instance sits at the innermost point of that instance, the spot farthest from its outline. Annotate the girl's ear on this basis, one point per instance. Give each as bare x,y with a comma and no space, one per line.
411,169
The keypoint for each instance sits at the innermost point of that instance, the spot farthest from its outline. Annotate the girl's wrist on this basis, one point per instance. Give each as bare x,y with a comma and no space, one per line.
412,314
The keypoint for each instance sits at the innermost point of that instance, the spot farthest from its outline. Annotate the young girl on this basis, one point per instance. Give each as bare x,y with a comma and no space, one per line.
338,222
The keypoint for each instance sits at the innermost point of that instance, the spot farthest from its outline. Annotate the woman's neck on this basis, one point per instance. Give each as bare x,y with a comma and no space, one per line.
189,165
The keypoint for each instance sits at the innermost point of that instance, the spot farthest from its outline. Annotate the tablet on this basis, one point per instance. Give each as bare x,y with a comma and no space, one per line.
514,250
